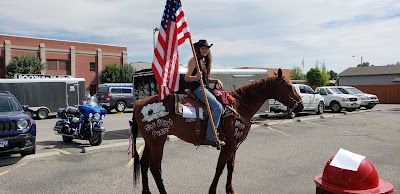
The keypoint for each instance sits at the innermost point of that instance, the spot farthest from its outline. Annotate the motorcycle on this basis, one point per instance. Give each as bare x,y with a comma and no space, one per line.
84,122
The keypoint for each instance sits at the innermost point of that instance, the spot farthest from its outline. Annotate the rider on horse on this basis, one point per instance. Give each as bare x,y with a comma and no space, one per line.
193,76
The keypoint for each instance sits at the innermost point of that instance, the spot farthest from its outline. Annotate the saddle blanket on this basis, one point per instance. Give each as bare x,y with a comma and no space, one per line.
186,107
190,112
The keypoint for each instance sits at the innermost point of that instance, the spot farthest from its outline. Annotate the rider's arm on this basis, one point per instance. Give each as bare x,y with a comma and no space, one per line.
190,68
217,81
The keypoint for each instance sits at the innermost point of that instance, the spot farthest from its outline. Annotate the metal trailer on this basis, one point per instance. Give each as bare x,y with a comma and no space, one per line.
144,83
45,96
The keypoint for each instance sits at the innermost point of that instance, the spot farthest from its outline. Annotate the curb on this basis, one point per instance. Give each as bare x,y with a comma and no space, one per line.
338,114
322,116
40,156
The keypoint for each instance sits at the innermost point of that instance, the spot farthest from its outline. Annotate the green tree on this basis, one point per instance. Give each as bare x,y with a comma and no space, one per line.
318,76
28,64
364,64
314,76
297,74
111,74
333,74
324,75
126,73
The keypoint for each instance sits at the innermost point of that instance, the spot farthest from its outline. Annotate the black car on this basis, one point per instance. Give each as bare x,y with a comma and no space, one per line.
17,130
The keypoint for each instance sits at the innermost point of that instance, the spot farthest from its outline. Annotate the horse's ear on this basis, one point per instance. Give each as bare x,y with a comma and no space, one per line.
279,73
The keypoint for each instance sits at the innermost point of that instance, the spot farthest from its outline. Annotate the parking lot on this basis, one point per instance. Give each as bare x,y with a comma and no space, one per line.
117,131
278,156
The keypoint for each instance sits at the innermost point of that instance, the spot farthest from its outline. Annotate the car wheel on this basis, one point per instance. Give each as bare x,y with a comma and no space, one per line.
349,109
29,113
321,107
42,114
29,152
120,106
369,106
336,107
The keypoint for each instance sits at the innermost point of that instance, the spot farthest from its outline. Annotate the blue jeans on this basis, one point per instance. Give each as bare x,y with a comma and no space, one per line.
215,107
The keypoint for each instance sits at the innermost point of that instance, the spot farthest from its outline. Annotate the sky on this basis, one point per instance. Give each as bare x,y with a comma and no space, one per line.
245,33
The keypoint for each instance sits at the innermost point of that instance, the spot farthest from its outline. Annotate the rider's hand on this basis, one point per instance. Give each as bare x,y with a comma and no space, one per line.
198,76
219,83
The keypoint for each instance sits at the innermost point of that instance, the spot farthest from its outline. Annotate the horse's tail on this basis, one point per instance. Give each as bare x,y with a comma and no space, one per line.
136,164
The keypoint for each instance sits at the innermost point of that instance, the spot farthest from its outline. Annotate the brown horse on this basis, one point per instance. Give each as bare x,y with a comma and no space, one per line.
249,99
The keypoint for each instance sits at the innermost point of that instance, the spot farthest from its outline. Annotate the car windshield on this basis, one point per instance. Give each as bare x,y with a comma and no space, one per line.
9,104
344,91
335,91
354,91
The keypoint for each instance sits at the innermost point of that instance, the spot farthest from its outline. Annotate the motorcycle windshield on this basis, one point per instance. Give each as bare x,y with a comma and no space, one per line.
92,106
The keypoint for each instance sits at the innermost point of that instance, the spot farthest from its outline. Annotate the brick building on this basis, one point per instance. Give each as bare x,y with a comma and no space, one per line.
77,59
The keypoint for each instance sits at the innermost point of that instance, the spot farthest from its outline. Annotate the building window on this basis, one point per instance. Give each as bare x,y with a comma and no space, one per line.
92,66
51,65
58,65
63,65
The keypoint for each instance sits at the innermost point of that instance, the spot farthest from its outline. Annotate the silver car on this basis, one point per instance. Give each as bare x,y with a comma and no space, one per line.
367,100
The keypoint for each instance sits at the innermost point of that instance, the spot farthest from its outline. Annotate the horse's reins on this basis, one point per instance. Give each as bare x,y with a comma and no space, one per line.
295,105
236,99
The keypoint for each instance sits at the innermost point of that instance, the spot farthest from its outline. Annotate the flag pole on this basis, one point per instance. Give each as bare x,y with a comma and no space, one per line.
204,94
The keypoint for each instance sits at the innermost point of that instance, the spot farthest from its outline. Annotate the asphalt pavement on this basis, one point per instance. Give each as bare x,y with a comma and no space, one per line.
278,156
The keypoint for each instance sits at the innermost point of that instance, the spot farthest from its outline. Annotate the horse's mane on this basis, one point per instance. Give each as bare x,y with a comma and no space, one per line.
257,86
256,92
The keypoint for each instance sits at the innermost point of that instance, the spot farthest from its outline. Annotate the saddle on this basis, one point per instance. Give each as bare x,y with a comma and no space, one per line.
190,100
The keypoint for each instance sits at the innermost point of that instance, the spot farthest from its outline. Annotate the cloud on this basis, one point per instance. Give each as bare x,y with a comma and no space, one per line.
245,33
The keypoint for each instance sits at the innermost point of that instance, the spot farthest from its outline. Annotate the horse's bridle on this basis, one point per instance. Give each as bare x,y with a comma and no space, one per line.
295,103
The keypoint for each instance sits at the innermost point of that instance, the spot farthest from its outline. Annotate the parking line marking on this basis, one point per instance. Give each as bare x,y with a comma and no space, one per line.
7,171
130,163
278,131
313,123
62,151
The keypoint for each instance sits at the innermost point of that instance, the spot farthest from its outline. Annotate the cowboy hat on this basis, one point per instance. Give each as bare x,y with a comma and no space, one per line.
201,43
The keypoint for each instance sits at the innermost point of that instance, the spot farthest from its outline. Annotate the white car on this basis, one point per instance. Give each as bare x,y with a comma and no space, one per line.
313,102
336,100
367,100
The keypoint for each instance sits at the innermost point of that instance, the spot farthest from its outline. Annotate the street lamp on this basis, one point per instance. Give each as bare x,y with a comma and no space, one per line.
154,37
361,60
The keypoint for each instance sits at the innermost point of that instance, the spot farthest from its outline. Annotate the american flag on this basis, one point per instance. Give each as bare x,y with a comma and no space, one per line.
173,32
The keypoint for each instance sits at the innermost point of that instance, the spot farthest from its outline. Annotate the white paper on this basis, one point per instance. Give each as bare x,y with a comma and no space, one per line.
347,160
190,112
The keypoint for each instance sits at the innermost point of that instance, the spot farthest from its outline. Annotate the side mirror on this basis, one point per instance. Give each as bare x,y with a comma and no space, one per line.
25,107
